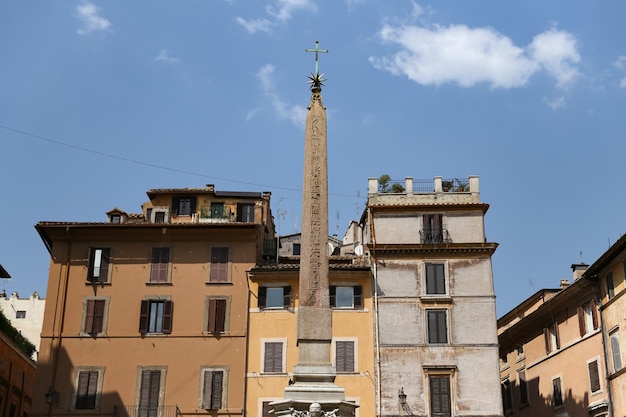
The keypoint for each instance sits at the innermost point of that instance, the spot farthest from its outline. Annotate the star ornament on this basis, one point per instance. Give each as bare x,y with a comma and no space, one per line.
316,80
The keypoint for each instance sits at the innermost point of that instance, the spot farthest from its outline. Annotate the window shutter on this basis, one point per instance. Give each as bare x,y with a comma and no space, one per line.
168,312
220,323
344,356
358,296
556,334
440,396
286,296
594,376
216,394
89,315
617,354
219,265
144,313
556,392
523,388
212,315
546,337
192,204
87,390
160,264
207,390
581,320
175,205
333,296
266,408
430,281
98,316
149,392
104,265
273,361
262,297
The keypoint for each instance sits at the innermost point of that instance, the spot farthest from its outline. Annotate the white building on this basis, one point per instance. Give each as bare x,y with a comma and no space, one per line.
26,315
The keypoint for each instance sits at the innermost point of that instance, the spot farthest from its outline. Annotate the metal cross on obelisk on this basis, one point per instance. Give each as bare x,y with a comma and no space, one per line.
316,50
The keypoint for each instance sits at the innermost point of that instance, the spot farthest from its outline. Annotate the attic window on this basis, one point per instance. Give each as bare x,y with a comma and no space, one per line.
116,218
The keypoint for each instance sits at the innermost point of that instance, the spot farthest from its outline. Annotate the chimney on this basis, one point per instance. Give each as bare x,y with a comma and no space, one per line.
579,270
564,284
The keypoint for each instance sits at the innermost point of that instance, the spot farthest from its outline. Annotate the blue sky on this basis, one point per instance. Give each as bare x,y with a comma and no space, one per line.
101,101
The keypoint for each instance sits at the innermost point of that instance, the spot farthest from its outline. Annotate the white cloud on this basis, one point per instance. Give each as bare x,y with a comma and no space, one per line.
88,14
164,56
555,103
621,64
465,56
296,114
279,12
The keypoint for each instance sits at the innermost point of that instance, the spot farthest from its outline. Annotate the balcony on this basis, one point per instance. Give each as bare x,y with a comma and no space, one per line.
435,236
438,190
146,411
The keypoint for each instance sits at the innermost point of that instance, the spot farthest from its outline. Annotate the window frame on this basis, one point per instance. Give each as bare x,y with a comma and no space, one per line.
616,350
146,324
219,266
262,297
212,311
522,384
20,314
357,296
160,271
438,281
429,331
104,270
438,412
506,389
87,324
162,370
557,387
345,359
207,400
610,284
97,394
595,381
551,337
274,360
184,205
244,211
587,318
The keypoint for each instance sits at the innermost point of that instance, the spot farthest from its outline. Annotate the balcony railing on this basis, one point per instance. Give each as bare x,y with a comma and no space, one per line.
435,236
146,411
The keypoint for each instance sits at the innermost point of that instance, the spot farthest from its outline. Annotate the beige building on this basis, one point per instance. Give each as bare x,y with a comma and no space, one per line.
147,314
436,343
272,350
609,272
551,353
26,315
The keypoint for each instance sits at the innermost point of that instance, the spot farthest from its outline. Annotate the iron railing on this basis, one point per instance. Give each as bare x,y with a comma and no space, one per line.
146,411
423,186
436,236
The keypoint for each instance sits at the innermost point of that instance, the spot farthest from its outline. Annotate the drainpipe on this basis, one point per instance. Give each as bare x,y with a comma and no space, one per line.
62,288
247,332
605,343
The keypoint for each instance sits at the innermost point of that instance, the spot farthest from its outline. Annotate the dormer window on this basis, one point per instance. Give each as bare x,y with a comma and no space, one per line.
184,206
116,218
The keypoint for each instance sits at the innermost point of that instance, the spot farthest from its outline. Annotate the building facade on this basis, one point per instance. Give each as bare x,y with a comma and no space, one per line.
436,343
147,314
551,353
26,315
609,273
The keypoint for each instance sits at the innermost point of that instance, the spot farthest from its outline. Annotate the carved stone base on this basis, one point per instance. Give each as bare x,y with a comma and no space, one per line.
291,408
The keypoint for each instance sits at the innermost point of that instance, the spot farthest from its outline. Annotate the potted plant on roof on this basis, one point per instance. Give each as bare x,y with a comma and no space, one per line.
447,185
461,186
397,188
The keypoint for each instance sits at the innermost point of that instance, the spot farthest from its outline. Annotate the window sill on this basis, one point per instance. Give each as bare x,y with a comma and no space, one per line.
155,334
434,299
102,284
218,283
156,284
216,334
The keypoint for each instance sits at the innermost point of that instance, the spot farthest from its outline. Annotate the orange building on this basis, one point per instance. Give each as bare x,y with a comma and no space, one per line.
146,313
552,355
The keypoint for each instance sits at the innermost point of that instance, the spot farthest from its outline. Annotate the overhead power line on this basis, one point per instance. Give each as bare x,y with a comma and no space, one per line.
148,164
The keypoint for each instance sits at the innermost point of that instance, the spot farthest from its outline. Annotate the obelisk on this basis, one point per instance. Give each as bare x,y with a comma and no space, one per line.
314,375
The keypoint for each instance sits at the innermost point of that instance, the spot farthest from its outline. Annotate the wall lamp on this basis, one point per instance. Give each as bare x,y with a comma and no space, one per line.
403,404
52,396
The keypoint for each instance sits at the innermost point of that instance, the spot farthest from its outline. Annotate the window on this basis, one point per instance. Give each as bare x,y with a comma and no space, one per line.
212,389
20,314
346,297
216,315
160,264
245,212
432,230
296,248
116,218
275,297
520,350
219,265
523,388
217,211
150,393
615,351
440,404
156,316
159,217
87,390
94,315
507,400
594,376
266,408
344,355
437,326
587,317
435,279
184,206
551,336
273,357
98,265
557,393
610,287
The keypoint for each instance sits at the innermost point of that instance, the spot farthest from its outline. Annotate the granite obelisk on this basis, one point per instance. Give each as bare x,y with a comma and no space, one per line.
314,374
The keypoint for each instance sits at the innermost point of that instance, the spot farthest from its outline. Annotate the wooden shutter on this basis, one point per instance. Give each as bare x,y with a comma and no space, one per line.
262,297
594,314
160,264
286,296
89,314
546,338
437,327
616,351
556,335
219,265
101,274
358,296
344,356
266,408
94,316
581,320
245,212
594,376
440,396
217,315
175,205
87,390
273,360
212,390
144,314
435,279
168,313
149,392
557,396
